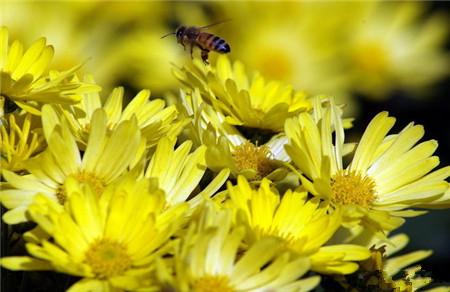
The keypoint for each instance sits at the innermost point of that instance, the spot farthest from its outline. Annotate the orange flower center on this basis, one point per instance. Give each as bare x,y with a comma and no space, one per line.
213,284
107,258
351,188
249,156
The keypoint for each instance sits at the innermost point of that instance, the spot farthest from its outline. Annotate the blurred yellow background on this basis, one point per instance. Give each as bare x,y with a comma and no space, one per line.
338,48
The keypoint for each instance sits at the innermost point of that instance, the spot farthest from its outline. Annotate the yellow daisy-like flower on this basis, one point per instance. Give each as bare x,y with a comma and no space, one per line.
154,119
179,172
303,225
387,174
24,80
106,158
110,242
397,46
227,148
209,258
18,143
248,103
247,159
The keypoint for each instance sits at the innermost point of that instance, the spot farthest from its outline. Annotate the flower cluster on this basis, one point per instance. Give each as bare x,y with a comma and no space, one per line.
235,184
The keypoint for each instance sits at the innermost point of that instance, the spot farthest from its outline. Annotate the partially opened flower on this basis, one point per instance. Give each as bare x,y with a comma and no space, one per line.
387,176
227,148
26,82
106,158
109,241
255,162
153,117
303,225
18,143
245,102
209,258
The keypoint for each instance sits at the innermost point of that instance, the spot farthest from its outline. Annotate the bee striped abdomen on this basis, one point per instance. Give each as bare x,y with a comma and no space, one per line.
213,43
221,46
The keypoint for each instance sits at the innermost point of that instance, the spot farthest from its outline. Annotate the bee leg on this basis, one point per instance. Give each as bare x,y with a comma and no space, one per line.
205,56
182,43
192,49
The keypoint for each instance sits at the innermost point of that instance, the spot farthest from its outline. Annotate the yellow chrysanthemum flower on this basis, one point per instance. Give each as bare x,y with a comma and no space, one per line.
18,143
24,80
179,172
387,175
247,103
108,241
396,46
247,159
209,258
154,119
255,155
303,225
106,158
227,148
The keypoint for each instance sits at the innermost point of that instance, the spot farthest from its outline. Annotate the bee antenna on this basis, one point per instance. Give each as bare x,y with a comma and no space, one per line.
166,35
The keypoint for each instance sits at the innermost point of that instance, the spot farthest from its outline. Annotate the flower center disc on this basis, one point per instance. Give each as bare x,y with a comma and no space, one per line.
212,284
371,58
107,258
249,156
352,189
96,184
287,237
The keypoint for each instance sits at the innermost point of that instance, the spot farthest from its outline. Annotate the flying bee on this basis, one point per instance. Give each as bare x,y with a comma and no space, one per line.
194,36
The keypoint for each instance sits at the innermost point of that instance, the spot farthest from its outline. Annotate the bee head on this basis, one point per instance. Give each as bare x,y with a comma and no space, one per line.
179,32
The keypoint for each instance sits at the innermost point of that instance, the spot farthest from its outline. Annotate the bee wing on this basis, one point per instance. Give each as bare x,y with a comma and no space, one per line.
213,24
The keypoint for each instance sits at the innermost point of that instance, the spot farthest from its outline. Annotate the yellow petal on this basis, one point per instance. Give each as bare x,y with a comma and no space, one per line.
395,264
14,216
14,56
30,56
3,46
23,263
96,142
85,285
41,65
370,141
113,105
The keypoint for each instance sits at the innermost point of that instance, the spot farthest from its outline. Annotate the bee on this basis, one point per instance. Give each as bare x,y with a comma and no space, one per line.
195,36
